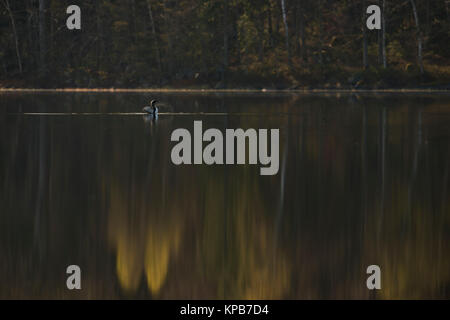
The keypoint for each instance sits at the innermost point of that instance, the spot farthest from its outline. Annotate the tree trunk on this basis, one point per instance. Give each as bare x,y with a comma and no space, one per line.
297,28
383,34
16,39
133,21
5,71
155,39
365,51
304,49
419,36
269,22
225,35
236,34
260,32
168,25
286,30
30,35
447,4
99,44
381,37
42,36
320,33
277,19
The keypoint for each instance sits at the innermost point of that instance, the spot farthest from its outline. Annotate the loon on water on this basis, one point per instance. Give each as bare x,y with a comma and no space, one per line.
152,109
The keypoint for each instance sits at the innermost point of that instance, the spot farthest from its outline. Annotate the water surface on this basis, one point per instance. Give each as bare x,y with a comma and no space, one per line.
363,179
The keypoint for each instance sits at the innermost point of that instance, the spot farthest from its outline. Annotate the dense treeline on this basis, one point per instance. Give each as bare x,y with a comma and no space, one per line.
225,43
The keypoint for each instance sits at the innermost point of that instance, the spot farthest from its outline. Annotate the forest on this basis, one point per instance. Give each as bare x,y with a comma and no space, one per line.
220,44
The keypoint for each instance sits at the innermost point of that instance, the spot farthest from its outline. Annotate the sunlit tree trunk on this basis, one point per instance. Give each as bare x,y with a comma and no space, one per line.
419,36
16,39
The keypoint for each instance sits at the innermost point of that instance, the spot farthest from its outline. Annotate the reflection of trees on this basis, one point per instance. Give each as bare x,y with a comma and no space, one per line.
236,245
413,241
150,205
343,239
144,223
112,201
143,242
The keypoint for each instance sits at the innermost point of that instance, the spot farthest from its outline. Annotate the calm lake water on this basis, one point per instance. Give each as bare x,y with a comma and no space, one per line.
363,179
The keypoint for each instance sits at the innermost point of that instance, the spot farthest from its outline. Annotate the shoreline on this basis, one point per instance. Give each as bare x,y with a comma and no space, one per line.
197,91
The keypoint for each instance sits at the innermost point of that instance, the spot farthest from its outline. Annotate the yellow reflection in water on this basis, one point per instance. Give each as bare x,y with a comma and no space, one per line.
238,245
159,247
418,264
129,264
141,244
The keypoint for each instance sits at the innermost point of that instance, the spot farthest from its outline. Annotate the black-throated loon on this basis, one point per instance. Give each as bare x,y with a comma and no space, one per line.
152,109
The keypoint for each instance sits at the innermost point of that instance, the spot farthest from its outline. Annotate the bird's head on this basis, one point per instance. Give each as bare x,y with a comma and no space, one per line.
153,103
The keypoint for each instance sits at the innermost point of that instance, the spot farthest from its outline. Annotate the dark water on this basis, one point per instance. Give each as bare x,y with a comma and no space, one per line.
363,180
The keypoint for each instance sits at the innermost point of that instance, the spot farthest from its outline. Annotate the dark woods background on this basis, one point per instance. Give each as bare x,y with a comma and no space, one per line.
220,44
